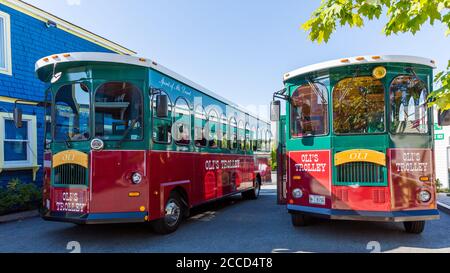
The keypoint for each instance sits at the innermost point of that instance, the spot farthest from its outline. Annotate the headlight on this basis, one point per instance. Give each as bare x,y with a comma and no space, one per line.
136,178
425,196
297,193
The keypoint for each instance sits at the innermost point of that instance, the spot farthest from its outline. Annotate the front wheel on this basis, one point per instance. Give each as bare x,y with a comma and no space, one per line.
253,194
416,227
174,212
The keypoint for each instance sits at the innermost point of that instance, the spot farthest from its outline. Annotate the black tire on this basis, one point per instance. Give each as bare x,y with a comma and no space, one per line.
253,194
300,219
416,227
168,224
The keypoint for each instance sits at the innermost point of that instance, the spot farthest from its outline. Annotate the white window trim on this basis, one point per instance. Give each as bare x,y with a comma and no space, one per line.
7,23
31,161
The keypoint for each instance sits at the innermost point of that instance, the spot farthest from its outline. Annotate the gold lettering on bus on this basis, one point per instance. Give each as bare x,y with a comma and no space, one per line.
70,157
360,156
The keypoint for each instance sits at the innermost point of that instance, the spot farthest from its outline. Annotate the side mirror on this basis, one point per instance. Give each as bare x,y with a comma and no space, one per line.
162,106
275,107
444,118
17,117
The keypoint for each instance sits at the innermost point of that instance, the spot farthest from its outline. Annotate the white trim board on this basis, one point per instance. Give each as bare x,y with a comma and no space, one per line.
7,43
369,59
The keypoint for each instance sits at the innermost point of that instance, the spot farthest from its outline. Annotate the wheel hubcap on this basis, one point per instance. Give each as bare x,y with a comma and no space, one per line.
173,213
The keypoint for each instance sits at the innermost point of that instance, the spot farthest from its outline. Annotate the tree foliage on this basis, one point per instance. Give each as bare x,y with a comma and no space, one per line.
402,15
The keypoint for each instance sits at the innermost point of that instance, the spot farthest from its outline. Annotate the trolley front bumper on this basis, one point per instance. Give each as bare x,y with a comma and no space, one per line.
376,216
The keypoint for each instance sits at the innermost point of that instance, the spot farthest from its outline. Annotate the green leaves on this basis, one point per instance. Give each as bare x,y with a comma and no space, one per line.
345,12
441,96
410,15
403,16
18,196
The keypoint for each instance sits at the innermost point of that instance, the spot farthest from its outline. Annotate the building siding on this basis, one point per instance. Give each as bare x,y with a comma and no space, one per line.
31,40
441,155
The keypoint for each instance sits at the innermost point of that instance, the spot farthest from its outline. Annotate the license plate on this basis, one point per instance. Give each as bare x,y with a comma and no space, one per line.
317,200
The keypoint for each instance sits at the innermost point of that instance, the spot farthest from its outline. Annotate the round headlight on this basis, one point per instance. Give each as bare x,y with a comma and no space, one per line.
136,178
97,144
297,193
425,196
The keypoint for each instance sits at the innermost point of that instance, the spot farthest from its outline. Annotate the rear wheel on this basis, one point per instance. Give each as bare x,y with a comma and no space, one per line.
300,219
174,212
253,194
416,227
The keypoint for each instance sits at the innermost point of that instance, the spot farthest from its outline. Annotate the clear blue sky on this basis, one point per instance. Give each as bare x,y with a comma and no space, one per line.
239,49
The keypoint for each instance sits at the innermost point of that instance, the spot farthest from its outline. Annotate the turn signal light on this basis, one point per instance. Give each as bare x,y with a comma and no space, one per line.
66,55
55,57
345,60
424,179
46,59
134,194
376,57
360,59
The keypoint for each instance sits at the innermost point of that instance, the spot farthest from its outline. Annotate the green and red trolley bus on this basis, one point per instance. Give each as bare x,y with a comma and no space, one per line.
357,141
128,140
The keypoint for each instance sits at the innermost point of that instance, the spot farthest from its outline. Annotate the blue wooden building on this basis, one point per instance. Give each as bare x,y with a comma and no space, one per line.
27,34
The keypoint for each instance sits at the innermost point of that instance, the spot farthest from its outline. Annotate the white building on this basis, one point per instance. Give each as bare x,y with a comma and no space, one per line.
442,153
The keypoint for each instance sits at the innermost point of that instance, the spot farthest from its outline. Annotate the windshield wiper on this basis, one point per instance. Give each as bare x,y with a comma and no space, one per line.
67,141
316,91
127,131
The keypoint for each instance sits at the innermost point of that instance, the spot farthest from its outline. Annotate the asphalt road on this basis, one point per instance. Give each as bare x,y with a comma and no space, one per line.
232,225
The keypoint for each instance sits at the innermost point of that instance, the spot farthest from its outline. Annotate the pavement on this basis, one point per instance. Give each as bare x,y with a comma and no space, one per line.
232,225
18,216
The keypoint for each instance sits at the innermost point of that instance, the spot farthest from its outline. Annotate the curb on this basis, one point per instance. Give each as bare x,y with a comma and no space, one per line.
444,207
18,216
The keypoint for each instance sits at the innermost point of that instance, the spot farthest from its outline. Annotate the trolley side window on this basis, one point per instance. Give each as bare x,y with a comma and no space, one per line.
309,111
269,141
241,136
358,106
200,126
248,142
254,139
224,139
234,134
213,129
182,122
409,106
118,112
